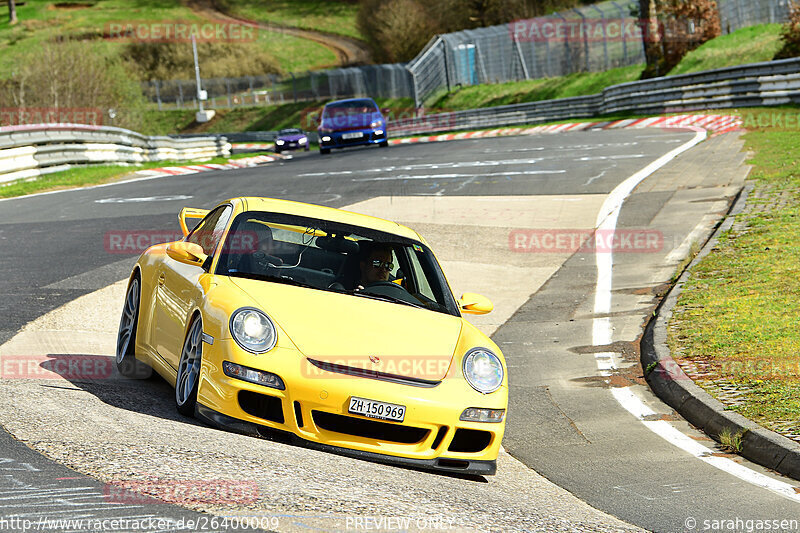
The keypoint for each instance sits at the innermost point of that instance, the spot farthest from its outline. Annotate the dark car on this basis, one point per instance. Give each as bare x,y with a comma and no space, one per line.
352,122
291,139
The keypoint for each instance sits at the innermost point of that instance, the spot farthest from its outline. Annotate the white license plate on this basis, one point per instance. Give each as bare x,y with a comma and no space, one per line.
373,409
352,135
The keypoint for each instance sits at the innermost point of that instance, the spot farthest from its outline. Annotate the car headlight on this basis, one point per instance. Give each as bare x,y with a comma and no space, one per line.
279,142
376,124
253,330
302,140
483,370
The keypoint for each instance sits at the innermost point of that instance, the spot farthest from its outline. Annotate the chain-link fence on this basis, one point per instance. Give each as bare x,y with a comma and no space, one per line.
380,81
737,14
589,39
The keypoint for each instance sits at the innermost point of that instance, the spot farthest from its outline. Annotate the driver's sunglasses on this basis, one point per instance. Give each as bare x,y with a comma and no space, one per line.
388,265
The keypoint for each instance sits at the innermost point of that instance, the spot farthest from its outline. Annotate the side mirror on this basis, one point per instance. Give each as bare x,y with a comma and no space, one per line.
475,304
188,253
190,212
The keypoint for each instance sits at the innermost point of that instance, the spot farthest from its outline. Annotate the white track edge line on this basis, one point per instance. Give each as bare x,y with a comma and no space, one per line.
602,335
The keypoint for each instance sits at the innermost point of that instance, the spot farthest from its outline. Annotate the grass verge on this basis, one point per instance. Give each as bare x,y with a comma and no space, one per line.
320,15
91,175
261,118
41,20
736,317
517,92
748,45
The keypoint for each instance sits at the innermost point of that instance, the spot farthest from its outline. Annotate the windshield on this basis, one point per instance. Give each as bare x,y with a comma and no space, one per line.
350,107
334,257
290,131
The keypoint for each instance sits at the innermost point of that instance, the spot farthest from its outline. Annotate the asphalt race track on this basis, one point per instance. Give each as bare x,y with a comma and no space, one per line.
487,207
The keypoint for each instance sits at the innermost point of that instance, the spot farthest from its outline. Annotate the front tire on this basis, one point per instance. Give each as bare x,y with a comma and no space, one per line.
383,144
127,364
324,151
188,379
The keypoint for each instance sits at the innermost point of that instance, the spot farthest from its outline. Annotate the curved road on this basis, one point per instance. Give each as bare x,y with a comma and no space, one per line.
487,206
349,51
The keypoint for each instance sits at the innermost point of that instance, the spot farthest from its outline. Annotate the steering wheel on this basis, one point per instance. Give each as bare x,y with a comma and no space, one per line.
388,284
266,261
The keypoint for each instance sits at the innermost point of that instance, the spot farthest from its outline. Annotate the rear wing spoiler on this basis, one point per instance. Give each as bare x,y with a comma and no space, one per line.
190,212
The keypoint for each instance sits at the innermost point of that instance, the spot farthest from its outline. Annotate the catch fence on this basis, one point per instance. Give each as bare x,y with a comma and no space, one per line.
592,38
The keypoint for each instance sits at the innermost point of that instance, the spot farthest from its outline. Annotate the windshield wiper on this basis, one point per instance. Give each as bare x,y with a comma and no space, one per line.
268,277
384,298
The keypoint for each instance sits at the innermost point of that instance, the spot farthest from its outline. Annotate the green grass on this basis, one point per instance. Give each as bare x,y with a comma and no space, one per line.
261,118
748,45
517,92
40,21
738,310
167,122
322,15
295,54
74,177
93,175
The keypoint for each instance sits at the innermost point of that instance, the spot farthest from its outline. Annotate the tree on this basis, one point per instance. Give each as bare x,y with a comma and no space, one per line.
12,12
790,34
651,38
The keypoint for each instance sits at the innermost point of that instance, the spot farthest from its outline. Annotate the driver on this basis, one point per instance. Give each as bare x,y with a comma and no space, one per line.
257,238
375,264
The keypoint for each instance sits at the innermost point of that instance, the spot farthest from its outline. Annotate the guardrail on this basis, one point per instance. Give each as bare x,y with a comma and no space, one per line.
759,84
32,150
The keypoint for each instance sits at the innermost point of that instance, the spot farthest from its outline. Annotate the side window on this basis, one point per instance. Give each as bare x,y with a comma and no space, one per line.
209,231
423,287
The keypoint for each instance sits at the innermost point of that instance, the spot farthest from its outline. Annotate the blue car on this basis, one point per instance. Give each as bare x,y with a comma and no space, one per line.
352,122
291,139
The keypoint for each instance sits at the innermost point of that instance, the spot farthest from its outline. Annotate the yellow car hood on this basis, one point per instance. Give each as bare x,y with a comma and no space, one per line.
359,332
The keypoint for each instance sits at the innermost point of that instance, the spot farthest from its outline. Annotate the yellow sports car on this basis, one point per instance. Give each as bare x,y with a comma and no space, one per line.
333,327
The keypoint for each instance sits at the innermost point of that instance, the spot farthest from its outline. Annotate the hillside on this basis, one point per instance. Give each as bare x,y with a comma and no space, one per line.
91,22
749,45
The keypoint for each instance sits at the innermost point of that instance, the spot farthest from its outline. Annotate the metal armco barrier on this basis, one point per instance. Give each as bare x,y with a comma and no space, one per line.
32,150
760,84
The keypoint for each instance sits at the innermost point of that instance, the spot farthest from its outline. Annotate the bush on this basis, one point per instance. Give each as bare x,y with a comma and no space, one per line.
790,34
171,61
687,25
68,75
683,25
398,30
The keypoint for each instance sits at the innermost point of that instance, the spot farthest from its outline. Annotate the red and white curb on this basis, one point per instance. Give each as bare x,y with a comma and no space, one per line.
194,169
253,146
715,124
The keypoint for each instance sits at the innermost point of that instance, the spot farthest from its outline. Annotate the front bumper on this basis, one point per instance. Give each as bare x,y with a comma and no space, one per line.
314,409
464,467
290,145
336,139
